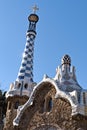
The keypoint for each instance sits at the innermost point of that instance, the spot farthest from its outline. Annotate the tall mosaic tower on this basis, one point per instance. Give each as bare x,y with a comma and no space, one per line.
21,89
24,82
25,75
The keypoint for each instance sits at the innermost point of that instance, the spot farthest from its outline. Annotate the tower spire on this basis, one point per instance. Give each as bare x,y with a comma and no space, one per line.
24,82
26,70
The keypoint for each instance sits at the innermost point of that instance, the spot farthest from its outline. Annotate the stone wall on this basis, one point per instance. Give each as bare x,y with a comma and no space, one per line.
38,117
12,110
47,113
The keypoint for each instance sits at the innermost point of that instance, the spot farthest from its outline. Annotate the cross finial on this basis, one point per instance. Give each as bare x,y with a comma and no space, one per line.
35,8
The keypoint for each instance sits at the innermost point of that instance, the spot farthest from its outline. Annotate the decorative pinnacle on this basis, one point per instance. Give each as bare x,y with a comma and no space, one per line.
35,8
66,59
33,17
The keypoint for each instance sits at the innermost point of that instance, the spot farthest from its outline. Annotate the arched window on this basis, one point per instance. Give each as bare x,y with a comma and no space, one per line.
46,105
19,85
49,104
16,105
26,86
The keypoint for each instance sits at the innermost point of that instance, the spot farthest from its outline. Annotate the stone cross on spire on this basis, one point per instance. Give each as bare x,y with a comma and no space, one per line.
35,8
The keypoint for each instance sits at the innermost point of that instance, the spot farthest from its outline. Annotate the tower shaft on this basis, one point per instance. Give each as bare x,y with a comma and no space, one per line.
24,83
26,69
25,75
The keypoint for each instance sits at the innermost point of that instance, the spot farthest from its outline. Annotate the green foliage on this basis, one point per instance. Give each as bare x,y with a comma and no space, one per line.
3,102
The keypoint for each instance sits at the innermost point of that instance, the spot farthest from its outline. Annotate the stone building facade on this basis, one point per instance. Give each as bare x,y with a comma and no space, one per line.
58,103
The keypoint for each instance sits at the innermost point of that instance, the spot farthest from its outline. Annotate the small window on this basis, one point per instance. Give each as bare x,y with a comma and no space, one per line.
19,85
26,86
9,105
49,104
16,105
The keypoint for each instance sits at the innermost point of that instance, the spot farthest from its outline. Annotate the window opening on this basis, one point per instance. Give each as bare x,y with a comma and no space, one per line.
19,85
9,105
49,104
26,86
16,104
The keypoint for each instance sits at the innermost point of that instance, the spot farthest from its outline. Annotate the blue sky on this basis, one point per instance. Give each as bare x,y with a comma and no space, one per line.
62,29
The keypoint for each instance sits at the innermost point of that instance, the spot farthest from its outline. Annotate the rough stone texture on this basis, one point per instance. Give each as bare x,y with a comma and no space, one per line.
58,118
11,111
47,127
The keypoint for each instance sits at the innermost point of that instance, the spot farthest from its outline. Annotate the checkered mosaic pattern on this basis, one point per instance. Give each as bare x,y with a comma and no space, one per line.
66,59
26,69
